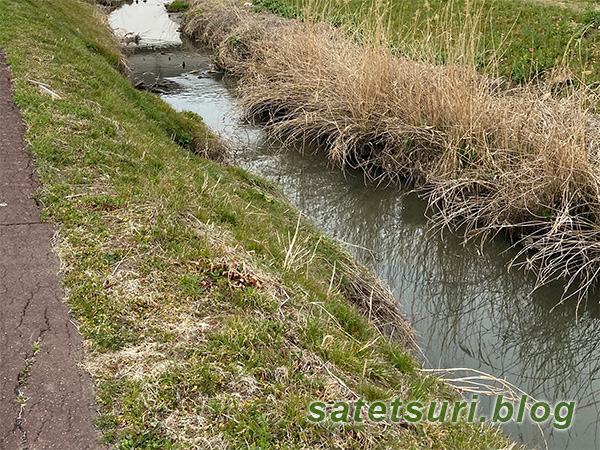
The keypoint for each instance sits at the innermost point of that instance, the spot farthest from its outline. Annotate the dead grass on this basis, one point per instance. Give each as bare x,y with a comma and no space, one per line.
489,156
212,316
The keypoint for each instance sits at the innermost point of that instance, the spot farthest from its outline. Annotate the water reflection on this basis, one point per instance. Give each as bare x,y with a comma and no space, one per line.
149,19
468,309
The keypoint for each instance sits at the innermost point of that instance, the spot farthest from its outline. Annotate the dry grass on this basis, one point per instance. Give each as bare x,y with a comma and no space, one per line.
489,156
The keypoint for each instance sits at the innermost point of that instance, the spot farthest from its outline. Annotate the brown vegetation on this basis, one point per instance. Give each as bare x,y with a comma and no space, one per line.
489,156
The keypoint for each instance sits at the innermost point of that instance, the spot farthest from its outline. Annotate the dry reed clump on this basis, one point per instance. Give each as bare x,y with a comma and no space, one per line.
488,156
373,299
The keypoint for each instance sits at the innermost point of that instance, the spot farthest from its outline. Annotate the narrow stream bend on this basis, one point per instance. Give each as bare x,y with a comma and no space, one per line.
468,309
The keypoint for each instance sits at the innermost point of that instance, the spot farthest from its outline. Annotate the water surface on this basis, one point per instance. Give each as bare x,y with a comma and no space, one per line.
147,18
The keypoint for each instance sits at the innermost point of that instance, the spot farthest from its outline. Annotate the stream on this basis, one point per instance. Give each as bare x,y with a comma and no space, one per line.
468,309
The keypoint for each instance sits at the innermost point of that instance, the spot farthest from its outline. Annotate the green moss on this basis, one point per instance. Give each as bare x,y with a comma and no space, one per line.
177,6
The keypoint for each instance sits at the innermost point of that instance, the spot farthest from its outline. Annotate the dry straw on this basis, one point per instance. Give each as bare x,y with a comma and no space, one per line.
489,156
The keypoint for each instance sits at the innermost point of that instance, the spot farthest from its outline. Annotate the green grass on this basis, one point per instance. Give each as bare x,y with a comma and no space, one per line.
200,327
177,6
520,40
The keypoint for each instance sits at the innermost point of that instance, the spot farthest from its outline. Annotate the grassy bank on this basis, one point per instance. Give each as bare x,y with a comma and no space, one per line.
177,6
488,155
211,312
517,39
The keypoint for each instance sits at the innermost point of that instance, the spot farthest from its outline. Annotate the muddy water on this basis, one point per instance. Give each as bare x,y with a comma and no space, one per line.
468,309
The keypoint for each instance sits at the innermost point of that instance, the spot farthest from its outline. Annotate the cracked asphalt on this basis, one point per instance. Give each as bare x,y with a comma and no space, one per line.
46,399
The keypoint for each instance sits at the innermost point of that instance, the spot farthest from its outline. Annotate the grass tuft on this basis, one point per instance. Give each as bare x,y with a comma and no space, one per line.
489,155
177,6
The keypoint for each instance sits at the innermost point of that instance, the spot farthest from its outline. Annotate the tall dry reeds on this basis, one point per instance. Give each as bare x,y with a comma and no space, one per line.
489,156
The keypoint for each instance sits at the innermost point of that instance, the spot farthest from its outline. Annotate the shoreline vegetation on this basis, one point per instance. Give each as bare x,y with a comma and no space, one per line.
212,311
490,156
557,42
177,6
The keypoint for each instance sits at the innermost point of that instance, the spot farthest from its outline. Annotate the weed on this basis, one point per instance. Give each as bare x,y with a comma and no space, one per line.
177,6
487,154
